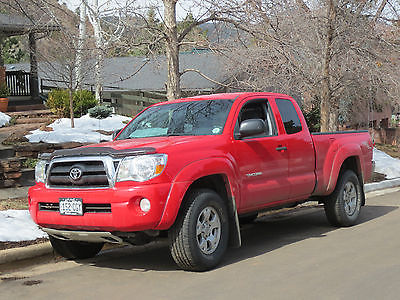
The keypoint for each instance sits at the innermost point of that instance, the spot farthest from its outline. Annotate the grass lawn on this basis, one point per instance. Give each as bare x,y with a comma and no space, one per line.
393,151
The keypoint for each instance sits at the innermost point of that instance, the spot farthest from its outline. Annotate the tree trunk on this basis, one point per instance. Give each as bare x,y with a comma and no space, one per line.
172,50
95,20
81,43
34,77
71,107
326,92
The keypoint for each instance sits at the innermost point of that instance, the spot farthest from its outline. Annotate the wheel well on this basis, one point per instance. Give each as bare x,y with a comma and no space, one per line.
220,184
353,163
217,183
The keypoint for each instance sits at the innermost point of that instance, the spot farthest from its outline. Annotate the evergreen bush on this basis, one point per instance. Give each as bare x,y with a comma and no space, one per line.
100,112
58,102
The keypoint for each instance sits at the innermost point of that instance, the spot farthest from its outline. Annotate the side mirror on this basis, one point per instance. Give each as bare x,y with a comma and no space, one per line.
115,133
251,127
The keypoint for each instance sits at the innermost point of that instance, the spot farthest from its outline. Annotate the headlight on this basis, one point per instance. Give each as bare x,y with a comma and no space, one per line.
40,171
141,168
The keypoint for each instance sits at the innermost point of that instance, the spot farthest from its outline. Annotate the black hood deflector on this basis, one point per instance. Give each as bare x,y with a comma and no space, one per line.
97,151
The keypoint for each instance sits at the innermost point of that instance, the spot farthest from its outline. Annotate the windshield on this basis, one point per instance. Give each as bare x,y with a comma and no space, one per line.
206,117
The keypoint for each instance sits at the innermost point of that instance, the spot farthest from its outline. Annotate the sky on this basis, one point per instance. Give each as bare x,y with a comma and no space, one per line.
106,4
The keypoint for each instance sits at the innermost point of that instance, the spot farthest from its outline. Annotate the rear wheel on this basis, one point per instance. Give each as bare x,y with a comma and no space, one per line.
343,206
75,249
199,237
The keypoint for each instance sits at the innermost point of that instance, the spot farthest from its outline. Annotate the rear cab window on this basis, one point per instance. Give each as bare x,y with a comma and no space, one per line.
289,115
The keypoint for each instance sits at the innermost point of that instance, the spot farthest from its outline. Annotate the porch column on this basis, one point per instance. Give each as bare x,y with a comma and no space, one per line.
34,80
2,68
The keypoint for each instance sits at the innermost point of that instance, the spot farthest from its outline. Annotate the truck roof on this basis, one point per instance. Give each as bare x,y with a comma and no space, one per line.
225,96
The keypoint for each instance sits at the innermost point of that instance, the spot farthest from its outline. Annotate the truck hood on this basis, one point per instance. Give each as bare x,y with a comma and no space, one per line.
179,146
164,144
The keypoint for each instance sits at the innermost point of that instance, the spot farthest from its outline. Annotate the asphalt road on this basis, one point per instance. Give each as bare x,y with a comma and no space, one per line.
287,256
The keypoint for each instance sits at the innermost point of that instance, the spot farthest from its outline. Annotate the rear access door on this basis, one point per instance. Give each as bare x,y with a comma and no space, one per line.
300,148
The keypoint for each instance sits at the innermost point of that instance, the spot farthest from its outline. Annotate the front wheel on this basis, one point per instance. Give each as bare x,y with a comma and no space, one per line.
343,206
75,249
199,237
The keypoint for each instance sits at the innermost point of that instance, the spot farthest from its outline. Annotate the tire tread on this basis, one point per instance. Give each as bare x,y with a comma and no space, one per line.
180,239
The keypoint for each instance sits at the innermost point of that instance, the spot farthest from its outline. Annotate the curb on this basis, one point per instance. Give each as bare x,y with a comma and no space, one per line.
386,184
33,251
21,253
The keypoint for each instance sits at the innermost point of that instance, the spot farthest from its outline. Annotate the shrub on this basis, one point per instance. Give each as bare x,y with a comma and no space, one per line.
30,163
313,117
58,102
100,112
83,101
4,91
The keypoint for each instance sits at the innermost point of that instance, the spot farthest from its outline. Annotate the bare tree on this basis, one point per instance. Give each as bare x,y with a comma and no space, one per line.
105,39
81,42
58,61
329,53
172,50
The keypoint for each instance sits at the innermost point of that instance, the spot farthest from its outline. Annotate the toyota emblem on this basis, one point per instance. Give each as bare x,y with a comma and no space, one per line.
75,173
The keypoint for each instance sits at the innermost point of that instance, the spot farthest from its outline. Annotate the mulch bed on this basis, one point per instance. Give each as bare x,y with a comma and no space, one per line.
9,245
18,203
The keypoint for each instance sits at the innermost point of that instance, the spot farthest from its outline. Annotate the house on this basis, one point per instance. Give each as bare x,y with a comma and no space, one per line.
132,83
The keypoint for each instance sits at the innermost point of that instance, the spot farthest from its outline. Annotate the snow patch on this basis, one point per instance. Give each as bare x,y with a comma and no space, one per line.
386,164
84,131
17,225
4,119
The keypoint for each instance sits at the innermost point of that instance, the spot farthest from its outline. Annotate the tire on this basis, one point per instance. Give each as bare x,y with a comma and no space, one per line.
75,249
343,206
248,219
199,237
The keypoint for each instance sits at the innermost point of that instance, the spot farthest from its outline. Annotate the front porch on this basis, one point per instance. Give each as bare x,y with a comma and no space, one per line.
23,96
23,86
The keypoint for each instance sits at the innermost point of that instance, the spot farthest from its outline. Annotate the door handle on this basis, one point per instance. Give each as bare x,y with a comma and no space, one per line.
280,148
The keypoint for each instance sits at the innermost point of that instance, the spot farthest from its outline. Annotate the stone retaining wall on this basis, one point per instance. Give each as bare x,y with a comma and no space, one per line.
13,173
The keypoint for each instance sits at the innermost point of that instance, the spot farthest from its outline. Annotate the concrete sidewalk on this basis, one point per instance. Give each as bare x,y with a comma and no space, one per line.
14,193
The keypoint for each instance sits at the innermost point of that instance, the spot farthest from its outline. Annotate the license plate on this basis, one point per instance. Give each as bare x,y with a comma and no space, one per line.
71,206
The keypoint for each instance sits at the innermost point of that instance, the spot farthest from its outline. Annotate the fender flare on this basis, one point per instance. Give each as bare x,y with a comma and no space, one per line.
197,170
343,153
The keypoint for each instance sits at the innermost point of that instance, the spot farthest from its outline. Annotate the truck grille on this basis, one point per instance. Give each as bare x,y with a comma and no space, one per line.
87,207
78,174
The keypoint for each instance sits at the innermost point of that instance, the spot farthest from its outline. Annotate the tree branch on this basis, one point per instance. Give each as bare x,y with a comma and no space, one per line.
205,77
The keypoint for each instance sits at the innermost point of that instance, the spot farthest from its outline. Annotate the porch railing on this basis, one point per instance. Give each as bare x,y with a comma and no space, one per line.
18,83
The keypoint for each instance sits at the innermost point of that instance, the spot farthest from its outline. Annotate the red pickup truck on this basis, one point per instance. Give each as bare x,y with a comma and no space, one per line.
191,170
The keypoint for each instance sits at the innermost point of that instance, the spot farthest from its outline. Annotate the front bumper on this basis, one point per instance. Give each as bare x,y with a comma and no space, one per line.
84,236
125,215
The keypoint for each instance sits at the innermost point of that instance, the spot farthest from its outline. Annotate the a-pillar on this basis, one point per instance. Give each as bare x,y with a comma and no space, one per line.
34,80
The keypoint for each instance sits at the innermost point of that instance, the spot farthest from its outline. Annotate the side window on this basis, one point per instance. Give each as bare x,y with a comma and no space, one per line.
289,116
257,110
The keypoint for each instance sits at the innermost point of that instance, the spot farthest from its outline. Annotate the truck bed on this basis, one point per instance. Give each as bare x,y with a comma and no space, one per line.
330,147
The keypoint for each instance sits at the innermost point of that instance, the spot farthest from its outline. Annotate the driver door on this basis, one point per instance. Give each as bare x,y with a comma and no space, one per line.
261,160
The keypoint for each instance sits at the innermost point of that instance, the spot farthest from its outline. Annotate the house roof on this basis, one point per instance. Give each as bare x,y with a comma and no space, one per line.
153,73
140,73
17,25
